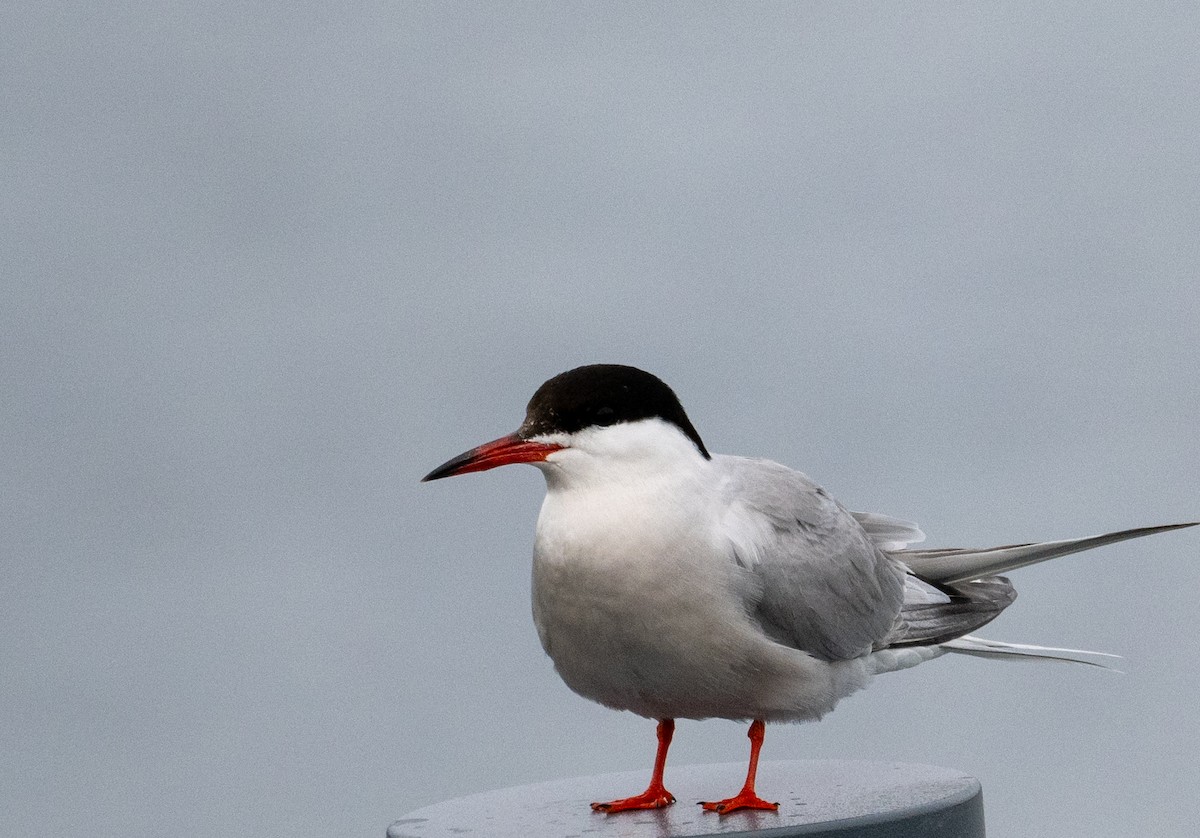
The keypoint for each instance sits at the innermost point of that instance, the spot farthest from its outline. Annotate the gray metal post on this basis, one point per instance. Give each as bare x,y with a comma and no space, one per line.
842,798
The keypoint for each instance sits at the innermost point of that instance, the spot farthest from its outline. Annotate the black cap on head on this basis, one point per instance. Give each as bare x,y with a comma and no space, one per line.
600,395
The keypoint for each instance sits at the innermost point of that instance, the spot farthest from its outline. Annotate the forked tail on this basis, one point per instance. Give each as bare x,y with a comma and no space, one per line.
979,647
951,592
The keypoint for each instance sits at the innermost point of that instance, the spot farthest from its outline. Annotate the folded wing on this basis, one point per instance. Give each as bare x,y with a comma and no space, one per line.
840,584
824,586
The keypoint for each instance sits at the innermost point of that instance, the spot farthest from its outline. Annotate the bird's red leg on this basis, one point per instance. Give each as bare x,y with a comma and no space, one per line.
655,796
746,798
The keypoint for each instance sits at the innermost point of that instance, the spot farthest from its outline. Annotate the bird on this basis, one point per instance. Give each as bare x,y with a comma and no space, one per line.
675,583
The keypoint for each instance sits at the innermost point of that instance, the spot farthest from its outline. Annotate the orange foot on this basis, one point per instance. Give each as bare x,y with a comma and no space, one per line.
743,800
651,798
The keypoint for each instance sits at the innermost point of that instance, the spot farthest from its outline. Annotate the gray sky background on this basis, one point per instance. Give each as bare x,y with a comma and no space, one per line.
264,265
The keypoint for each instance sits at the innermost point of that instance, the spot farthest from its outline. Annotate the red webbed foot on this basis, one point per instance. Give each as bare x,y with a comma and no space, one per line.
746,798
655,796
651,798
742,800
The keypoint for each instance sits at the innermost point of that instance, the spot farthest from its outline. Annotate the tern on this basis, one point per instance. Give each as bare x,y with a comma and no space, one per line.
675,583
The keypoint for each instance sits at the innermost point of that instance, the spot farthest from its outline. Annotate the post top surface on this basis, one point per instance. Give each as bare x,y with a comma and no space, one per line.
816,797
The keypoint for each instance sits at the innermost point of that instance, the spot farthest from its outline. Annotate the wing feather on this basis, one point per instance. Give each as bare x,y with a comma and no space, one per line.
957,564
889,533
826,587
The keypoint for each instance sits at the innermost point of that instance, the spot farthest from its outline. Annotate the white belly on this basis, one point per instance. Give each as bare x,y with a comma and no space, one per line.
660,629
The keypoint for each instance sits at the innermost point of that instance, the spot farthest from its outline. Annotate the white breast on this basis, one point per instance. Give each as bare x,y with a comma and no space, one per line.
639,604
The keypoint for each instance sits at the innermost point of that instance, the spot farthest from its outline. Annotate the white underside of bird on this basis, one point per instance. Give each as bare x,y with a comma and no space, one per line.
675,586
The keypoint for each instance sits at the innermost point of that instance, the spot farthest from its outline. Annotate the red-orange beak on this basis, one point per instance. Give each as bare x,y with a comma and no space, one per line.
498,452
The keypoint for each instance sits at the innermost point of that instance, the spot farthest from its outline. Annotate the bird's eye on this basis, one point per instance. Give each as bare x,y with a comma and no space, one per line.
605,415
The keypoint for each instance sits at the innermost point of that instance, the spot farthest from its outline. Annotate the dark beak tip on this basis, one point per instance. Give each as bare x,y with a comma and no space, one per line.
444,470
454,466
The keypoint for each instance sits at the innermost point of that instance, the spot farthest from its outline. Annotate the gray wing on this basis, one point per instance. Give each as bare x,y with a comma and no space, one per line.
889,534
960,564
935,614
825,587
